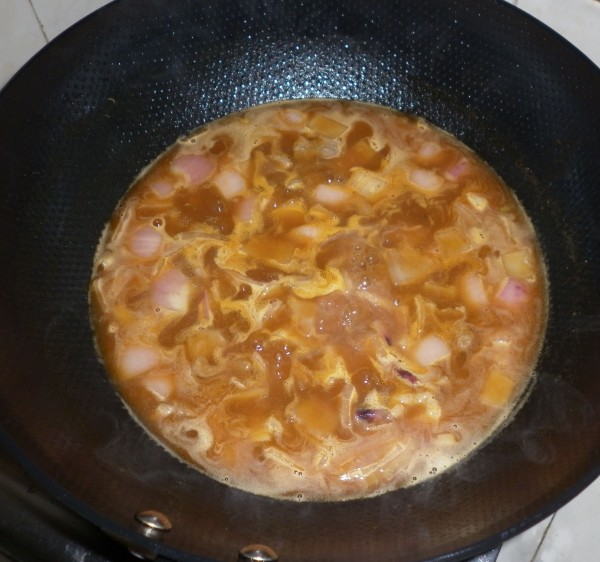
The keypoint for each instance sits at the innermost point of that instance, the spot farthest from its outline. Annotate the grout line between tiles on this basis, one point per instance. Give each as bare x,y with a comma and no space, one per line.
39,21
539,546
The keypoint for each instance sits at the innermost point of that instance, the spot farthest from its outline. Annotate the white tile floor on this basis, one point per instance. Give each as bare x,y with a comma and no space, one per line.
572,533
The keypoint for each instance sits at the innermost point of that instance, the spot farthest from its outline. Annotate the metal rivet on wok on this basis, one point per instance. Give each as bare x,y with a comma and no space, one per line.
257,553
154,521
153,525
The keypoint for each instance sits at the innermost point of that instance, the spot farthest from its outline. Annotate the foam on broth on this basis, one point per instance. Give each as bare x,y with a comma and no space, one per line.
319,300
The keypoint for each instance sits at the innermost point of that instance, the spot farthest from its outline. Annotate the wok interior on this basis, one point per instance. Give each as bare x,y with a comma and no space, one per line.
86,115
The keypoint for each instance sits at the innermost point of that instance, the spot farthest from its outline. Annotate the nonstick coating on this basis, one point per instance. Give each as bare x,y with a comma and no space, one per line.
81,119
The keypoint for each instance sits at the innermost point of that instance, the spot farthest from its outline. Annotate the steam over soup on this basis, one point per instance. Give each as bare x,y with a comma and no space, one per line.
319,299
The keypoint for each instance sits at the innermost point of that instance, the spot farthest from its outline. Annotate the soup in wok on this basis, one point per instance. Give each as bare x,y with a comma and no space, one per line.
319,300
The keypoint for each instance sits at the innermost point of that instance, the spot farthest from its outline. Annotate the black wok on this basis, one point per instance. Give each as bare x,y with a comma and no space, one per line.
81,119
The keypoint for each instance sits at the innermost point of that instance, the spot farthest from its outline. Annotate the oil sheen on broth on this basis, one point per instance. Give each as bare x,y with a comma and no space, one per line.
319,300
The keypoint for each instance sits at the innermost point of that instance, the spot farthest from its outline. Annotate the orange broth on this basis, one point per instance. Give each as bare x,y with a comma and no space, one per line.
319,300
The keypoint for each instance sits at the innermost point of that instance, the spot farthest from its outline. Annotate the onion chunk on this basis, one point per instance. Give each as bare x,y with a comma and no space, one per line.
171,291
430,350
230,183
145,242
137,360
427,180
195,166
